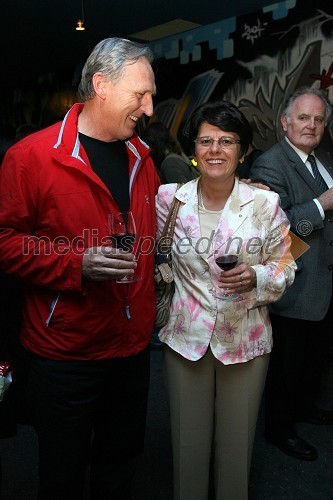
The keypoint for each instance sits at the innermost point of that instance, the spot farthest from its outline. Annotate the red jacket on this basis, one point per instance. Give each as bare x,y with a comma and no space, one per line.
48,190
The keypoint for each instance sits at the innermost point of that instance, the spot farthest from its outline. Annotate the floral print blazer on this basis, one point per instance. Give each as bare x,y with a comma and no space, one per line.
235,331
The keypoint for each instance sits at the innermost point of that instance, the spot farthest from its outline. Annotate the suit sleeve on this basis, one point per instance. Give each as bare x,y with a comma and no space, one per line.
276,271
273,172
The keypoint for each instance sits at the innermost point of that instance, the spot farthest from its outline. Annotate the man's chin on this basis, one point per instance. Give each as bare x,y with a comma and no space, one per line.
127,136
310,144
131,127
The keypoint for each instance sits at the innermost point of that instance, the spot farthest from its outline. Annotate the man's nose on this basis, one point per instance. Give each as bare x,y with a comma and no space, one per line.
147,105
311,123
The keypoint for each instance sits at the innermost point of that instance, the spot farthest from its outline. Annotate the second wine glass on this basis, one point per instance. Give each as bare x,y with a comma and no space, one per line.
226,262
122,231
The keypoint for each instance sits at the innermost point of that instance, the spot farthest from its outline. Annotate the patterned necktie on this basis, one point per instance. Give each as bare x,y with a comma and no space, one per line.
318,178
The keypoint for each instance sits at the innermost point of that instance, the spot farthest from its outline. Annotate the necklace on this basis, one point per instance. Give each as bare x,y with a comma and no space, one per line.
200,197
201,203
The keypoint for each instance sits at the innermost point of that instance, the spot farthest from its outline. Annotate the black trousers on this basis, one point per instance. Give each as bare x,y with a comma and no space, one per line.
300,356
89,413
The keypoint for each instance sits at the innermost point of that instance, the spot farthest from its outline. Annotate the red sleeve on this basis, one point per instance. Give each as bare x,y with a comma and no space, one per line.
42,265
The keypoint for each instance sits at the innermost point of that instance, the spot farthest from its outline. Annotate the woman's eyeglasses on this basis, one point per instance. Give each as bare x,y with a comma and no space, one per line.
223,142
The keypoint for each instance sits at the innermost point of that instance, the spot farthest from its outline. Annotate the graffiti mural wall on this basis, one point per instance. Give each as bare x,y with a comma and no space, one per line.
255,61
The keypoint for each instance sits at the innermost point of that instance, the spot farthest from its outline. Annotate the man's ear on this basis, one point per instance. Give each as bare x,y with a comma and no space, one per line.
284,123
99,82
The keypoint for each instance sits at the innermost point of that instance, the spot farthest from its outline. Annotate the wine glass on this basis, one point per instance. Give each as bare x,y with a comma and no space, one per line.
226,262
122,232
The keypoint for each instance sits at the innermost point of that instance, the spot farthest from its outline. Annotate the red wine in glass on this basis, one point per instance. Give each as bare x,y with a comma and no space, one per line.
125,241
226,262
122,232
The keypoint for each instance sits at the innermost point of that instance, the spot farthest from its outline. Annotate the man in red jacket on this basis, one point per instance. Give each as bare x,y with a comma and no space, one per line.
86,336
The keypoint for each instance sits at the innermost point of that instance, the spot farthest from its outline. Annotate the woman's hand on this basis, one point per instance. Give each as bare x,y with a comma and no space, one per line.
241,278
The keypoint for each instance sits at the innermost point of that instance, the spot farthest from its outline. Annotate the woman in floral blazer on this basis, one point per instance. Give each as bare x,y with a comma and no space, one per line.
217,351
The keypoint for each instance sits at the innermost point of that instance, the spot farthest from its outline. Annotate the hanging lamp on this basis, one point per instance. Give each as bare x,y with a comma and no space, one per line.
80,23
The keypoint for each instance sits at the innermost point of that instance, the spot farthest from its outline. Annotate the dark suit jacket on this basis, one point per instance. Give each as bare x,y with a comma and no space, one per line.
283,171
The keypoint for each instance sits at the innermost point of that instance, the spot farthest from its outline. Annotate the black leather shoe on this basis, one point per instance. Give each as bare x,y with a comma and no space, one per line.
319,417
294,446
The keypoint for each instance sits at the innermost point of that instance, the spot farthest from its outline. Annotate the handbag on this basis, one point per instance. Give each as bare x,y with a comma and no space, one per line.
164,283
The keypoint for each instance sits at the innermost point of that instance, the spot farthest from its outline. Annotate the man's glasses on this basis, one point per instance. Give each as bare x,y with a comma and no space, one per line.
223,142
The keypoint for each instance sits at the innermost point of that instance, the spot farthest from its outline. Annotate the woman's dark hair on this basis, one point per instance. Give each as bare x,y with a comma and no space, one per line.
224,115
161,142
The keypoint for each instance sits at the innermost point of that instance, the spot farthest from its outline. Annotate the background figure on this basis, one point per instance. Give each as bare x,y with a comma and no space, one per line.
171,163
24,130
217,350
14,408
302,319
6,140
85,336
244,169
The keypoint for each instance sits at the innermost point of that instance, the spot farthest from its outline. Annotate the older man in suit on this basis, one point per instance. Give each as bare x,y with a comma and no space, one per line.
302,174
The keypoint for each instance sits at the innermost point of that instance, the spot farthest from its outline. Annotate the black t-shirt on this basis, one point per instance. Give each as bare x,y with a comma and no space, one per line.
109,160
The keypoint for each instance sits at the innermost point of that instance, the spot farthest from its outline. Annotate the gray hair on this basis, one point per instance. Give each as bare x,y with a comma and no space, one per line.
109,57
308,90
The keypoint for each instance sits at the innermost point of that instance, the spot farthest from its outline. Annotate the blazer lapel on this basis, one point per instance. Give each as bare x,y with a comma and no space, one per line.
188,211
301,171
234,214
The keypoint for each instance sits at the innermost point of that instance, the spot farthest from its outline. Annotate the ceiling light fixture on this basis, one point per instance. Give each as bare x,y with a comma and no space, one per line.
80,23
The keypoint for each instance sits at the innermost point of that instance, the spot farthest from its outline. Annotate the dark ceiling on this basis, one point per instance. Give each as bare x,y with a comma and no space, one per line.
38,36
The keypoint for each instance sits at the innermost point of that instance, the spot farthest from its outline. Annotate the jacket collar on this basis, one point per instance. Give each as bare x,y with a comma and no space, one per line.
68,150
68,136
241,194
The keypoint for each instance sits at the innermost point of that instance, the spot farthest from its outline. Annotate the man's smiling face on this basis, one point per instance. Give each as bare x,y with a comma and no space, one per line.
128,98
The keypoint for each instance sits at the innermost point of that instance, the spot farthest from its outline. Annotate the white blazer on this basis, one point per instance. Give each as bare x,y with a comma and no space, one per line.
236,331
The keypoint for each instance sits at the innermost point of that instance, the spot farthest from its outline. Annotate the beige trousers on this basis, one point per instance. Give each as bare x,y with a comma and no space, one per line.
213,403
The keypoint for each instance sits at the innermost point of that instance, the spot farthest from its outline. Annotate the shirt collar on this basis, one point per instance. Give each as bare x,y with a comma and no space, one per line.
303,156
